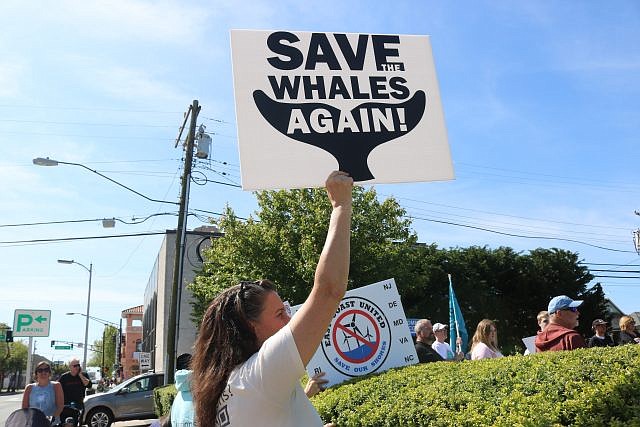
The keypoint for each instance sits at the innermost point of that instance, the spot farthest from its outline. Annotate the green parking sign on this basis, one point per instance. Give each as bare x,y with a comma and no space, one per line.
31,323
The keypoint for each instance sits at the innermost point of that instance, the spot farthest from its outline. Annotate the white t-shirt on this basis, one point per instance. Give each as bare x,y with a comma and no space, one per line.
265,390
482,351
443,349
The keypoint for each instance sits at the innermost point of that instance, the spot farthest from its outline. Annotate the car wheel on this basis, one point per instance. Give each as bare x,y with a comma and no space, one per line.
99,417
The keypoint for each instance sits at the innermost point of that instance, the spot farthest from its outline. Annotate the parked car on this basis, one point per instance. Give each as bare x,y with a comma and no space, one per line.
130,400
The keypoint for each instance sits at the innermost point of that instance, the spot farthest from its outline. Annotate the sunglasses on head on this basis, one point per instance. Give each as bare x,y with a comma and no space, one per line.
43,370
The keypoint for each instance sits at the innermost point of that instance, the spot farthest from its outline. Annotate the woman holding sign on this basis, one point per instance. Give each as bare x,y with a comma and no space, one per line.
249,355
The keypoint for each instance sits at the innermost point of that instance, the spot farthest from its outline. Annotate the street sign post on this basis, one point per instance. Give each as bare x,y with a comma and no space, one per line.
31,323
63,347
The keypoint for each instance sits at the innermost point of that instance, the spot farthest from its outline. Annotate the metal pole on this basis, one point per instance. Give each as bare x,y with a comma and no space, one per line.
170,353
86,323
104,332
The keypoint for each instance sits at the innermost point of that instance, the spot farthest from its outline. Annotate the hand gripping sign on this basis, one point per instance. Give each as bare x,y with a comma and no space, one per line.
368,334
308,103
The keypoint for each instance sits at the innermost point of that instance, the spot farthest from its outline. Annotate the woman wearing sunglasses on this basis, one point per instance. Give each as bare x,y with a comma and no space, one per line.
628,334
44,394
249,355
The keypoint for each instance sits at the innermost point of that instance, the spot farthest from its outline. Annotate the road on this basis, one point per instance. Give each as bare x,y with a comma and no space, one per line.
9,402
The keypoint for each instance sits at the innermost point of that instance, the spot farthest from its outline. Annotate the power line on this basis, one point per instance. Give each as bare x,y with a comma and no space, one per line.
503,214
71,239
522,236
86,123
123,110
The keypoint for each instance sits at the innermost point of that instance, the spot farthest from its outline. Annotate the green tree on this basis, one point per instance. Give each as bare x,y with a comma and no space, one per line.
502,285
284,243
13,359
110,334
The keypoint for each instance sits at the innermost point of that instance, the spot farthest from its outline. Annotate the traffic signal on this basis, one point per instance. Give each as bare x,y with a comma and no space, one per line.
53,342
9,336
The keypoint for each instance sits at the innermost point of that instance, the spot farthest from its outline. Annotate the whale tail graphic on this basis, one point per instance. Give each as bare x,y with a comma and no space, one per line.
349,136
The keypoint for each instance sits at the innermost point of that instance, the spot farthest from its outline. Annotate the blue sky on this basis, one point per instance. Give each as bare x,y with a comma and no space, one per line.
540,100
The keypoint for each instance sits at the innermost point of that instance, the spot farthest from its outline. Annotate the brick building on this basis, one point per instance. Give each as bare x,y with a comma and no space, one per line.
131,341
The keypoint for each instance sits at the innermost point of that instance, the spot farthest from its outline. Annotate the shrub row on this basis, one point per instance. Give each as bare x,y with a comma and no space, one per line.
587,387
163,398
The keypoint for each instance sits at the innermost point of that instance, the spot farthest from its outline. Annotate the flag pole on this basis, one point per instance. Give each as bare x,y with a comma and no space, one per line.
455,317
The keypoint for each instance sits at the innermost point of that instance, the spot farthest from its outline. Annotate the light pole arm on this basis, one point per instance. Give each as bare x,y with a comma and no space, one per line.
50,162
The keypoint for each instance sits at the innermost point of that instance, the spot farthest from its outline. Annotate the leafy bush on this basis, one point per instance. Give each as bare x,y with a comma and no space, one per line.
163,398
587,387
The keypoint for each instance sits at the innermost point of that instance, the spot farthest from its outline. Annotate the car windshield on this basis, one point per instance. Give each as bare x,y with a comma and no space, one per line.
124,384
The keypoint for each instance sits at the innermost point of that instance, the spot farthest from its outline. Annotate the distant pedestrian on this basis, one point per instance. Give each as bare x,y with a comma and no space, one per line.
560,333
600,337
628,334
484,344
424,339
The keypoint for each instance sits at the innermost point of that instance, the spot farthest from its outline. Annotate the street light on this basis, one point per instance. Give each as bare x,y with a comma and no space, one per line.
106,323
39,161
86,325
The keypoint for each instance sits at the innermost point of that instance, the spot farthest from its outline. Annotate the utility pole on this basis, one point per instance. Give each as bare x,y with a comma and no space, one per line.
181,233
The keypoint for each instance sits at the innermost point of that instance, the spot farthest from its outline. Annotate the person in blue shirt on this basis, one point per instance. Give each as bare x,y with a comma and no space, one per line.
182,413
44,394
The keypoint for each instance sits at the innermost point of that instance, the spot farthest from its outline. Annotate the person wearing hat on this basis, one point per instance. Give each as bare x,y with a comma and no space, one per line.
560,334
600,339
441,346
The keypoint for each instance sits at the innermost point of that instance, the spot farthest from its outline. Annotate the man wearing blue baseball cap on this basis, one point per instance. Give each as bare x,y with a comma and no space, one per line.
560,334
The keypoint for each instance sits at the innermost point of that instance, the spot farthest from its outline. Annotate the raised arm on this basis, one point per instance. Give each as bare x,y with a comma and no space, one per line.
311,321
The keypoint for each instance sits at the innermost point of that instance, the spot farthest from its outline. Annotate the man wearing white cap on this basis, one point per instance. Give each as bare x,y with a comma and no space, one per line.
443,348
560,334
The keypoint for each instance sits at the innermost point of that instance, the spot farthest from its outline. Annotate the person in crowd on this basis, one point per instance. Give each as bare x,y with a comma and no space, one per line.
424,340
484,344
182,411
75,384
560,334
600,337
44,394
249,355
628,334
440,331
543,320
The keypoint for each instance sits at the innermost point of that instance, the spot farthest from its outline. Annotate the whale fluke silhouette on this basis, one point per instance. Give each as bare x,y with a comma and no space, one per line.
352,146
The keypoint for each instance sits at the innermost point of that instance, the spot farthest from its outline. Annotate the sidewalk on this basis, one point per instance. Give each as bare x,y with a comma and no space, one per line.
134,423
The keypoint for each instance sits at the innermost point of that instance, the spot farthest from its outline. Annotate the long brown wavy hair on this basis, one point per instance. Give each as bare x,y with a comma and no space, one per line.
483,335
226,339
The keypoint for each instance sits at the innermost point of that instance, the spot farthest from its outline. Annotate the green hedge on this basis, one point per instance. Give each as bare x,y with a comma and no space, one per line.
588,387
163,398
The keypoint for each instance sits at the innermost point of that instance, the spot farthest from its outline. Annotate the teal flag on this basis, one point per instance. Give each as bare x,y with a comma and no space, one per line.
456,322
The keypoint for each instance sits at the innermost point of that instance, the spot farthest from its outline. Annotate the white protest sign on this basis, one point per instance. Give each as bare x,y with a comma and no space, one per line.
530,343
368,334
309,103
